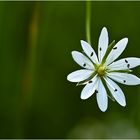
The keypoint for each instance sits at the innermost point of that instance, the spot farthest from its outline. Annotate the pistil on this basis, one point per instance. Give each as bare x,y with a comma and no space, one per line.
101,70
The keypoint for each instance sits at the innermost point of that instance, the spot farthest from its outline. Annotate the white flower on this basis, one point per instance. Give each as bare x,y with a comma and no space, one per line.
104,70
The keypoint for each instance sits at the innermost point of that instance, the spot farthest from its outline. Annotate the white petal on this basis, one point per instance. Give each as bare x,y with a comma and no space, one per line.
102,44
89,51
117,50
116,92
124,78
79,75
89,89
82,60
101,96
87,81
125,63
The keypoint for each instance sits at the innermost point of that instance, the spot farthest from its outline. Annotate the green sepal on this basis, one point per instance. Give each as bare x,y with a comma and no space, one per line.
107,90
112,44
121,71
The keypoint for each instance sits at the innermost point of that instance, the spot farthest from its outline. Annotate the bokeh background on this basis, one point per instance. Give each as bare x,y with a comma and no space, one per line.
36,100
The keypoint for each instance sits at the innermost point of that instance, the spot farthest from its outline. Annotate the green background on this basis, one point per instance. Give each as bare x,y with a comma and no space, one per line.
36,100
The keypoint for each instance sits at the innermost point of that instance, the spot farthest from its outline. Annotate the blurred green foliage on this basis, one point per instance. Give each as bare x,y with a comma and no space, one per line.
36,100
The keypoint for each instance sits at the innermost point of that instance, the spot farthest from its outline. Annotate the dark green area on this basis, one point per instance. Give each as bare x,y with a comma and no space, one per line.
36,100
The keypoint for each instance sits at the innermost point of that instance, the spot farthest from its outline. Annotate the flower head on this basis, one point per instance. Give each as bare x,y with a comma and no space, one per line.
103,70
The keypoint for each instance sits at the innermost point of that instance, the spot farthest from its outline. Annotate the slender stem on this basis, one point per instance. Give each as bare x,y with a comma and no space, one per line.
88,20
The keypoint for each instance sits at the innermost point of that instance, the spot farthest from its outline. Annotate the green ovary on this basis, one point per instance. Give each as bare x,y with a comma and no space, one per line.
101,70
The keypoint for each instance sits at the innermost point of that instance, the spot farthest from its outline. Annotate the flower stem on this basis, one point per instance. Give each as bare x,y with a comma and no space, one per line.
88,20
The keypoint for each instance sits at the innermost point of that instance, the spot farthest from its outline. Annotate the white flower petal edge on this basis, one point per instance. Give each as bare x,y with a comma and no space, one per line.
82,60
103,43
89,89
117,51
89,51
124,78
116,91
79,75
125,63
101,96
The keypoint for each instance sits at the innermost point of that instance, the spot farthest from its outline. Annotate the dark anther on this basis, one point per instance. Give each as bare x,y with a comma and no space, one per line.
100,48
128,65
126,61
96,91
84,64
124,81
115,48
115,90
90,82
91,54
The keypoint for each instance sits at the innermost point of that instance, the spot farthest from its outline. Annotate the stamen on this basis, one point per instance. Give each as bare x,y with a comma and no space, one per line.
128,65
126,61
84,64
115,48
124,81
100,48
91,54
90,82
96,91
115,90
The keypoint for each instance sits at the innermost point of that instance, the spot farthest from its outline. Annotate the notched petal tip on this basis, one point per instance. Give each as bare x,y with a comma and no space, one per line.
87,95
122,102
124,105
82,41
83,97
69,77
73,52
103,110
138,82
104,28
125,40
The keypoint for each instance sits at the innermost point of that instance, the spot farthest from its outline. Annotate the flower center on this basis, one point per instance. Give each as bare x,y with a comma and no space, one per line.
101,70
